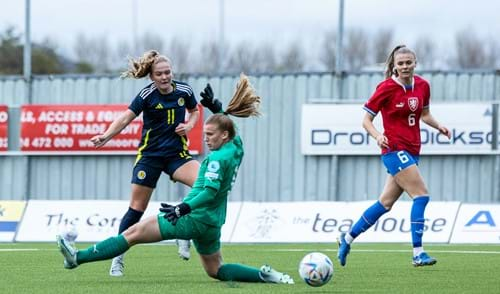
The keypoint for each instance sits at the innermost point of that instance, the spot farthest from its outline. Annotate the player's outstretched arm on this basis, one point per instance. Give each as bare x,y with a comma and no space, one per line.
115,128
208,100
173,213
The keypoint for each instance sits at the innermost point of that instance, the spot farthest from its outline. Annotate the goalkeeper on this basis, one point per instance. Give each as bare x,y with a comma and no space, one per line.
203,212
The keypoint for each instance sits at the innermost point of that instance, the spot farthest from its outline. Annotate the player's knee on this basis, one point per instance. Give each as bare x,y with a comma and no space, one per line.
212,273
139,204
387,203
131,234
419,192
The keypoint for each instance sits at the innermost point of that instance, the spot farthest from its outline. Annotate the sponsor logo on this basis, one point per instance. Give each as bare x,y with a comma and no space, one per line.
328,137
459,137
400,105
265,221
211,176
482,218
213,166
385,225
212,170
159,106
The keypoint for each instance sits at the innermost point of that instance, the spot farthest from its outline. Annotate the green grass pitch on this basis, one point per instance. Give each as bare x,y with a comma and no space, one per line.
371,268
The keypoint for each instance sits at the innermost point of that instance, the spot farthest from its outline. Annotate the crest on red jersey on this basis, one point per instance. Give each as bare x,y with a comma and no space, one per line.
413,103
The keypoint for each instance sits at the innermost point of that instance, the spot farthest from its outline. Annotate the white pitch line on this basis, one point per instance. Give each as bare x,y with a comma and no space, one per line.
308,250
392,251
18,249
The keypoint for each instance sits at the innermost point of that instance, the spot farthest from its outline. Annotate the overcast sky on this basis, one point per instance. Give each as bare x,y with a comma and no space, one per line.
277,21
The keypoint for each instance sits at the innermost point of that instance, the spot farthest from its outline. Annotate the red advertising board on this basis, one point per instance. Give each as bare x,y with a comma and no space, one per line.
70,127
4,117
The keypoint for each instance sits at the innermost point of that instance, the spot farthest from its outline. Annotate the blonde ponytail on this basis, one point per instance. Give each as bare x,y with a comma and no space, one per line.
141,67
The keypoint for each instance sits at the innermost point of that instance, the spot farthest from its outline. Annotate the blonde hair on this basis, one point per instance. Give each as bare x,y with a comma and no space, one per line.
141,67
245,103
400,49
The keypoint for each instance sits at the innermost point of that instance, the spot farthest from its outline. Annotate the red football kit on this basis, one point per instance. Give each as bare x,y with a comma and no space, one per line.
401,108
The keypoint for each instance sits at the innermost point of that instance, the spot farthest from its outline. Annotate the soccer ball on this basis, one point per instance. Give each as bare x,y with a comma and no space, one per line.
70,234
316,269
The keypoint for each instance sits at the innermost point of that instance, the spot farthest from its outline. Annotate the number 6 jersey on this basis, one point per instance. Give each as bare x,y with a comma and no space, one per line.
401,107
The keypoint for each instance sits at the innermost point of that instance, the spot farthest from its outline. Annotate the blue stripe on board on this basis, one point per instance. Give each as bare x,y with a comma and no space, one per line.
8,226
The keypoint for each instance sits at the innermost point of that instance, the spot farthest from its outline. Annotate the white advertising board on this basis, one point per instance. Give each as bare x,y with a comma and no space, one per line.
477,223
336,129
95,220
323,221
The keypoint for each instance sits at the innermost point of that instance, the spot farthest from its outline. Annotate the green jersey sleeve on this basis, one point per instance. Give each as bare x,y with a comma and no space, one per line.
205,196
214,173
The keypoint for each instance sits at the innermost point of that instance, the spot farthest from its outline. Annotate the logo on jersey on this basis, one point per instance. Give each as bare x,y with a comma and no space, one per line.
413,103
400,105
181,101
159,106
212,170
141,175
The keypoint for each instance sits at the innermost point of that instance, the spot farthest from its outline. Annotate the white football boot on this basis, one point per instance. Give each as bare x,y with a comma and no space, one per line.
68,251
269,275
184,248
117,266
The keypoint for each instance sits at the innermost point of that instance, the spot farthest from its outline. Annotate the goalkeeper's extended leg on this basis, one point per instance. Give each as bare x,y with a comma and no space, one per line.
106,249
147,231
241,273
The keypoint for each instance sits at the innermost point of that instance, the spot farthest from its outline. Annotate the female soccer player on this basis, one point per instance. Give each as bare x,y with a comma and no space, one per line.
163,146
203,212
403,99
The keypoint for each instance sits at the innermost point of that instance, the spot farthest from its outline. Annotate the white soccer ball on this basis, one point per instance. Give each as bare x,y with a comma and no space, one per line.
70,234
316,269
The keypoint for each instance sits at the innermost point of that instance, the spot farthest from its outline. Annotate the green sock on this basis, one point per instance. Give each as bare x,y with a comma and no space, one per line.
106,249
238,273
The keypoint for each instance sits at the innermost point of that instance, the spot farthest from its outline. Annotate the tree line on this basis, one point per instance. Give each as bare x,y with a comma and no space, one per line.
361,51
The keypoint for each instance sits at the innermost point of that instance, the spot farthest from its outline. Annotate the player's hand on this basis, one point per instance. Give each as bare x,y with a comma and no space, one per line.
183,129
214,105
99,140
173,213
444,130
382,141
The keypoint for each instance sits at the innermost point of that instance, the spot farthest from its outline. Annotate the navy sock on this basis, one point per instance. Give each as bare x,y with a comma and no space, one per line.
130,218
417,219
369,217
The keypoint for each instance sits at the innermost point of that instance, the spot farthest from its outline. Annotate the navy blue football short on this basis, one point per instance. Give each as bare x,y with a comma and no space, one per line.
147,170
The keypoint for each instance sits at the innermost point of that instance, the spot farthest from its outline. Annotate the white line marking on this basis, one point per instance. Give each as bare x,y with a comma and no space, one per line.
392,251
18,249
308,250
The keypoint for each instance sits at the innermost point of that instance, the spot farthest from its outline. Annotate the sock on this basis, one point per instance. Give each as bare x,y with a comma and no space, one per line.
238,273
417,251
130,218
348,238
417,219
106,249
369,217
